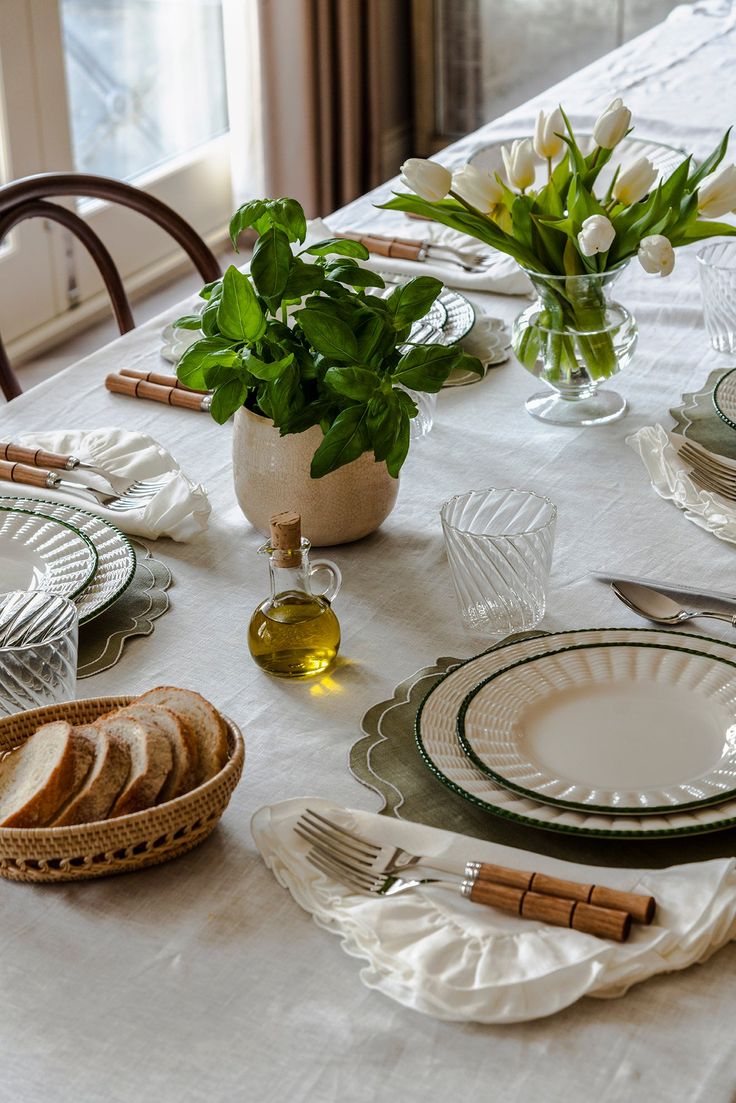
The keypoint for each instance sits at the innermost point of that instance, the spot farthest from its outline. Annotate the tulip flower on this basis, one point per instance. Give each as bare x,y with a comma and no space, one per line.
718,194
547,141
477,188
596,235
656,255
612,125
520,163
633,183
427,179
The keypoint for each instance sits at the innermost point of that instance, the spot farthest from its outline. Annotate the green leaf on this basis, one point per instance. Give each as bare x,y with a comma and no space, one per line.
397,455
208,321
271,263
357,383
701,229
342,246
466,362
267,372
285,396
383,423
239,312
376,335
227,399
710,164
410,301
345,440
189,321
355,276
303,279
217,374
286,214
211,290
245,217
425,368
327,333
202,354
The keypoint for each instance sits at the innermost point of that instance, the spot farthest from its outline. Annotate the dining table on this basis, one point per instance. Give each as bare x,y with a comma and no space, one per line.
202,979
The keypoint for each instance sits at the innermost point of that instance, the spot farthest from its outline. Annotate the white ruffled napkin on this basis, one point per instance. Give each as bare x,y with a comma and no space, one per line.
502,277
180,509
437,952
671,480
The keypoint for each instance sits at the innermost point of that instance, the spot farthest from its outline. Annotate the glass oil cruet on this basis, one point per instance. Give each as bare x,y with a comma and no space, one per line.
294,632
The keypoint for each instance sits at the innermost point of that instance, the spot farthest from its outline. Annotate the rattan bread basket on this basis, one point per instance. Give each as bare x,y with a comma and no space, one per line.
47,854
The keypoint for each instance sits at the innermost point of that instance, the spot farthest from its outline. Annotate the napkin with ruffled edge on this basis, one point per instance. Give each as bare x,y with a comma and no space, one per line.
671,480
180,509
433,950
503,277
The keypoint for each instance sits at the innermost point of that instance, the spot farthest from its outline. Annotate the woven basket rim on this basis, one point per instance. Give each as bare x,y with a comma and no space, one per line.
234,764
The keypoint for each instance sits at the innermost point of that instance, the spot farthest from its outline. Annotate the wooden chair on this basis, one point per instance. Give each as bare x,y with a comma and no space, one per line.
28,198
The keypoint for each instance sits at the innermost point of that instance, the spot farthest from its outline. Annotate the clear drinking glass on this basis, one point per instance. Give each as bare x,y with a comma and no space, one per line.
499,546
717,264
38,650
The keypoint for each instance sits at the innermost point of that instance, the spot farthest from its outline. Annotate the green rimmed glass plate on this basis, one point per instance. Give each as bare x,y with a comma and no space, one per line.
617,728
115,554
724,398
436,737
43,553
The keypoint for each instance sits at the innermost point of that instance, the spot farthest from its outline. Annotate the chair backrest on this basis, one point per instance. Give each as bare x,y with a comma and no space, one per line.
28,198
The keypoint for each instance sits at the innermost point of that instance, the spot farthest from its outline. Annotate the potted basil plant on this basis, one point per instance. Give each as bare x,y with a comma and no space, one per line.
315,367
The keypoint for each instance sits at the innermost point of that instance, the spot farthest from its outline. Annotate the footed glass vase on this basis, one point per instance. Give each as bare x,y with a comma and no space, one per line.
574,337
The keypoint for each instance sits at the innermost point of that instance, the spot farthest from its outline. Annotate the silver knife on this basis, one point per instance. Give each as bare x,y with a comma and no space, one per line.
672,589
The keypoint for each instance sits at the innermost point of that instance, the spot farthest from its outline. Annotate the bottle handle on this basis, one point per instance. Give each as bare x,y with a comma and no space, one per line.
335,577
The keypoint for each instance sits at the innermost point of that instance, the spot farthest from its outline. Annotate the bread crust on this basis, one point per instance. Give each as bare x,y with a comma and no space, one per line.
204,719
110,770
35,804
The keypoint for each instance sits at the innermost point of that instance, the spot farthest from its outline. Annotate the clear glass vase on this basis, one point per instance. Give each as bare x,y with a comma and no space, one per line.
574,337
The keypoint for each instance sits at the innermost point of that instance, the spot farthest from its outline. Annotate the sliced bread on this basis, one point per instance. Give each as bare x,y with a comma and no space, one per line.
150,762
38,777
204,720
109,773
184,748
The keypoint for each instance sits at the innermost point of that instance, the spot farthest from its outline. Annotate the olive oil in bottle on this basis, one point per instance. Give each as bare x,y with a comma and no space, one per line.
294,633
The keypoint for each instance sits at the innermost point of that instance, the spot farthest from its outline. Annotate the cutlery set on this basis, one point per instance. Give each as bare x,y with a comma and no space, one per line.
399,248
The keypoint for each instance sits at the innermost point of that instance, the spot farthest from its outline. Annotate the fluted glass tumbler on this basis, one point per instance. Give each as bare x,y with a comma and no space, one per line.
38,650
717,265
499,547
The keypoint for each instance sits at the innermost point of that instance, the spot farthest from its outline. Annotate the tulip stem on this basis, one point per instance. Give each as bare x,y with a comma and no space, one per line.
549,170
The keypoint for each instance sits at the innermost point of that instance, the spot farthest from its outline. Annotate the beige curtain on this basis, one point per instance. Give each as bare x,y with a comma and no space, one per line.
322,102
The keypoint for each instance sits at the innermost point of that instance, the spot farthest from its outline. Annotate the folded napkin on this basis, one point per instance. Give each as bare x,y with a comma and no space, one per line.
502,277
671,480
179,510
433,950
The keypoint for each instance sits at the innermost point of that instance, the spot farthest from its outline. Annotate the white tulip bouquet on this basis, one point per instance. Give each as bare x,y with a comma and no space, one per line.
567,228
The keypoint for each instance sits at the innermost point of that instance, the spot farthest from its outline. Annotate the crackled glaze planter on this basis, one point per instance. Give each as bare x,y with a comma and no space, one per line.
272,474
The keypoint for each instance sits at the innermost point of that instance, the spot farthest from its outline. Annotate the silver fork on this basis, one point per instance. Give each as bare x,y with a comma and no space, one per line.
604,922
38,457
136,498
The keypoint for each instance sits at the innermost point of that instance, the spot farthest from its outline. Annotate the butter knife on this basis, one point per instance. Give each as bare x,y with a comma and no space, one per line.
672,589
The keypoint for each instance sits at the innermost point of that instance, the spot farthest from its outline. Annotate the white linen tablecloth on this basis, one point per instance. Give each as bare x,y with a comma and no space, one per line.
201,979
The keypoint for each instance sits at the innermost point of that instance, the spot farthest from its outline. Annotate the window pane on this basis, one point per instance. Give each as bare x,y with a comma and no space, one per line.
145,79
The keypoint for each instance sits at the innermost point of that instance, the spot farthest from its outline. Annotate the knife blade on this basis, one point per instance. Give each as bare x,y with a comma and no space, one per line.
672,589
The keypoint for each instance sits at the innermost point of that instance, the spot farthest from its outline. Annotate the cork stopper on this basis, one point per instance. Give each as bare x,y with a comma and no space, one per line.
286,537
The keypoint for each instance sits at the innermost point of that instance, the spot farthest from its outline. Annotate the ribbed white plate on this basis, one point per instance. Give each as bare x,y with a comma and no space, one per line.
115,555
664,158
41,553
641,728
436,734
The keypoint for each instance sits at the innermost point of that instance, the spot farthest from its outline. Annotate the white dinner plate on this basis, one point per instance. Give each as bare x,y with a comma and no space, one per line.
724,398
664,158
41,553
436,735
115,555
615,727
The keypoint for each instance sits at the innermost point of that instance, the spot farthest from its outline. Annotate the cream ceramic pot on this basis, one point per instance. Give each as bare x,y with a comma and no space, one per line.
272,474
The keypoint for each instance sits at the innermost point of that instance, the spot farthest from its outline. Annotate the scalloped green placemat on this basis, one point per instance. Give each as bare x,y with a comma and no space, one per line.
386,760
102,640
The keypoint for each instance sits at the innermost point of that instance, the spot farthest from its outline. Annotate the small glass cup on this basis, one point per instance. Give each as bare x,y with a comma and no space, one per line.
499,546
38,650
717,265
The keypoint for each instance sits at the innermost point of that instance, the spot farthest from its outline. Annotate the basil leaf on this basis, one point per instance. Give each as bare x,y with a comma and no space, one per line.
227,399
303,279
466,362
355,276
245,217
211,290
345,440
189,321
375,337
383,423
342,246
267,372
328,334
239,313
425,368
217,374
287,214
202,354
410,301
397,455
208,320
271,263
285,396
357,383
